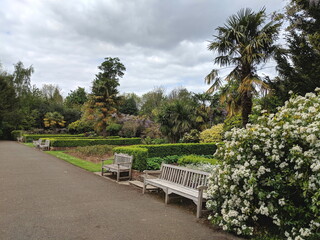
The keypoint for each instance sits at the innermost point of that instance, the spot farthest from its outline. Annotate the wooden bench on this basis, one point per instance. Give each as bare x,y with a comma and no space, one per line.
37,143
121,163
182,181
45,145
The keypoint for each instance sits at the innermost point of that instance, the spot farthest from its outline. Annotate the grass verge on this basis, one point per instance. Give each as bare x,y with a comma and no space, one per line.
29,144
89,166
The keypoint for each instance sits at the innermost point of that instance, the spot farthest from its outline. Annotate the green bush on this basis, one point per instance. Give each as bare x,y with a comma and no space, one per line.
31,137
80,126
195,159
16,133
168,150
60,142
140,156
154,163
213,134
114,129
149,140
232,122
164,150
191,137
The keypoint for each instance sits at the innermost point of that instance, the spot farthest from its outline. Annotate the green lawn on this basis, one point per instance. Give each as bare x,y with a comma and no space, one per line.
29,144
89,166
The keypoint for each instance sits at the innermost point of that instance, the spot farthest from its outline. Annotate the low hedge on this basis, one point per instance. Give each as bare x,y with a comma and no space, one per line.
163,150
154,163
195,159
31,137
140,156
60,142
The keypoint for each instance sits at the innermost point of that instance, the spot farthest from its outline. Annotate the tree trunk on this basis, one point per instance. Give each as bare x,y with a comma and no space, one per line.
246,102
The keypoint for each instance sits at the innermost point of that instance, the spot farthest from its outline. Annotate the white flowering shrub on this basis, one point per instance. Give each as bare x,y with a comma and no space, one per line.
270,174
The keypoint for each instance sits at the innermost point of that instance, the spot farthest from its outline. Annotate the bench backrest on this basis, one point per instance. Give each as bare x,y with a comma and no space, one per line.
184,176
37,142
123,159
46,143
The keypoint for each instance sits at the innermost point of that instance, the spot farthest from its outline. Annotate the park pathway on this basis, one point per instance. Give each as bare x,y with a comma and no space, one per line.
42,197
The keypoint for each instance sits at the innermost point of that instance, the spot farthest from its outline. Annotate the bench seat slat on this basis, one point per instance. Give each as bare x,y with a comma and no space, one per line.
176,188
115,167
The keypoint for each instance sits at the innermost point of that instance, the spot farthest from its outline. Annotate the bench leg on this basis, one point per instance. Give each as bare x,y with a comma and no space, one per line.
167,197
118,176
199,209
144,188
199,203
130,172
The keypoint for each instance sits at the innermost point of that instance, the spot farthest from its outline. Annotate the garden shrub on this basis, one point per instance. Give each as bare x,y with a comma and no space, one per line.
213,134
113,129
130,129
80,126
232,122
149,140
31,137
140,156
195,159
270,174
191,137
16,133
163,150
60,142
154,163
168,151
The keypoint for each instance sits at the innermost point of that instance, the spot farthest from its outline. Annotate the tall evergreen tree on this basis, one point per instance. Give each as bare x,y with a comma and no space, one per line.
104,100
299,64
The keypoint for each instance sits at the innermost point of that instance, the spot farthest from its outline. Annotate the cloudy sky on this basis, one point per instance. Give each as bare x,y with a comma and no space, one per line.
161,42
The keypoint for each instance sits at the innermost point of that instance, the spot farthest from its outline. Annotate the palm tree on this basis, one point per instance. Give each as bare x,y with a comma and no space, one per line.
244,42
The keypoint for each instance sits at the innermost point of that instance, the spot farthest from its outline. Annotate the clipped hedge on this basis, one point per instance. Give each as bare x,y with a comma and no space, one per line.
195,159
31,137
163,150
140,156
60,142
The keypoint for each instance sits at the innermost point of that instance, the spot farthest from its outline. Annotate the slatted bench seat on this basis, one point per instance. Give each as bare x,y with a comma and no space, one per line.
188,183
37,143
45,145
121,163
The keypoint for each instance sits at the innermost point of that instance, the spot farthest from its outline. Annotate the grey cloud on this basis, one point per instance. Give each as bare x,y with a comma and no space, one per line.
160,42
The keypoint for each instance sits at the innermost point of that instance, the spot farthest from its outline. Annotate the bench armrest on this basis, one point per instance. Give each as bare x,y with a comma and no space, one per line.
202,187
102,160
151,172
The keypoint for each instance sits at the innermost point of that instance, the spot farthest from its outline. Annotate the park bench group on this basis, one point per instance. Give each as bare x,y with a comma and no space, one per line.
185,182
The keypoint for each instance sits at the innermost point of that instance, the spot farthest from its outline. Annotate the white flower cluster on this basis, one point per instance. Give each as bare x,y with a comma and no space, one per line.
271,169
